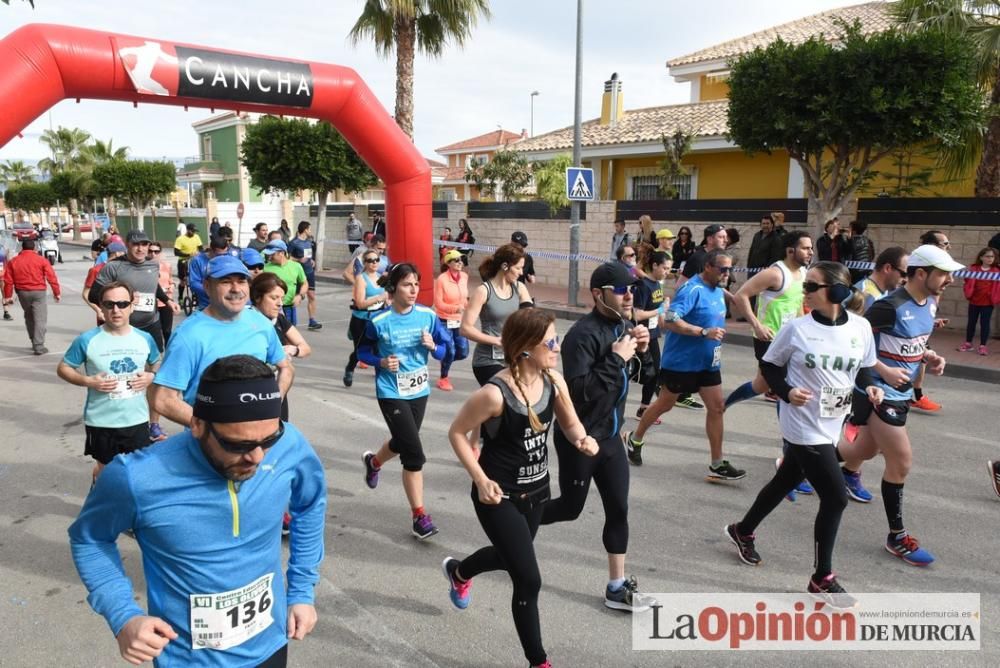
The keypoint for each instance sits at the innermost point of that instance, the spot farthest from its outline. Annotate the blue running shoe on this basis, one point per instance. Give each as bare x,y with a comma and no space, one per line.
908,549
804,488
855,489
457,591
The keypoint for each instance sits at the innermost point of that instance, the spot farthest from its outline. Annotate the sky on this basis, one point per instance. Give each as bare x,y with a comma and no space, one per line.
527,45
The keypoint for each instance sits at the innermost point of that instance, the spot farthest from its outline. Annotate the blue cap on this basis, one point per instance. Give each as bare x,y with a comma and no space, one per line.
116,247
251,257
221,266
274,246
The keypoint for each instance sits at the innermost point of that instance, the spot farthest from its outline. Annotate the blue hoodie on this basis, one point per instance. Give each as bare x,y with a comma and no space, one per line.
201,534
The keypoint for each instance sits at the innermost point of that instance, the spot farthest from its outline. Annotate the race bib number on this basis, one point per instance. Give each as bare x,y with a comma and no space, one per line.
454,324
835,402
497,353
229,618
653,322
717,356
411,382
123,390
307,253
145,302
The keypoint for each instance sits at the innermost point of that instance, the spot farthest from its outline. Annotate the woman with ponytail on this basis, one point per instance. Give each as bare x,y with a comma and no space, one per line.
813,365
510,478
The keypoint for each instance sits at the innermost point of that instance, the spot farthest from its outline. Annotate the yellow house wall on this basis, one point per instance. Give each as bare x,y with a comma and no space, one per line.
712,89
940,186
733,174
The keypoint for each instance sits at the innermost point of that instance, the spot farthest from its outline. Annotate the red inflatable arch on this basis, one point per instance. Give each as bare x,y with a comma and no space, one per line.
43,64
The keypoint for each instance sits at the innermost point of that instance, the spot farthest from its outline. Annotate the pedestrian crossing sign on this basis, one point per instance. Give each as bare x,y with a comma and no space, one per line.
579,184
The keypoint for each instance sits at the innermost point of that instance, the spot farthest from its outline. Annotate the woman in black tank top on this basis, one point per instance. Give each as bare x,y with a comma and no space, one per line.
510,478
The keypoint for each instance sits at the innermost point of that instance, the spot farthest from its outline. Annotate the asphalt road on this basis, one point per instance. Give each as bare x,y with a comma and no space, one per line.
382,600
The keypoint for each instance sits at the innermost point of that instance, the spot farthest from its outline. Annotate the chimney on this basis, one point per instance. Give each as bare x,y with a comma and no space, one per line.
524,133
612,103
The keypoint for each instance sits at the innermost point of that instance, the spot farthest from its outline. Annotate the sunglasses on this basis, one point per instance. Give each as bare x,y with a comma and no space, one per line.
374,260
619,290
813,286
552,343
628,255
110,305
255,267
724,270
155,252
245,447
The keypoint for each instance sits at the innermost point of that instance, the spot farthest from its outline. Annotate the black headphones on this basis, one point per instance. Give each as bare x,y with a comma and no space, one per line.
838,292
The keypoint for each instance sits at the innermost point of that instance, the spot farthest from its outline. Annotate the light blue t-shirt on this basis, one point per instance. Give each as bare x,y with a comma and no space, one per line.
120,356
399,334
702,306
202,339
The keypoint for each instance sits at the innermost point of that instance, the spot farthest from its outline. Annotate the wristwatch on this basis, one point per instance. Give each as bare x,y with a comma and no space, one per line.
704,332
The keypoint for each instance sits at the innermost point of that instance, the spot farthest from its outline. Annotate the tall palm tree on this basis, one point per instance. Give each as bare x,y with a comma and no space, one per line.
15,172
66,146
979,21
101,152
408,25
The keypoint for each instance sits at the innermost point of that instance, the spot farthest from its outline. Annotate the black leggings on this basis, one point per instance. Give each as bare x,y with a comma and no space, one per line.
277,660
512,533
356,328
983,315
484,373
404,417
818,463
166,322
609,470
652,386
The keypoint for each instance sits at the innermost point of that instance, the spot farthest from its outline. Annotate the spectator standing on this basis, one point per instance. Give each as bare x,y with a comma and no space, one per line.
378,224
214,227
683,247
354,232
26,274
762,246
619,238
528,275
284,230
260,237
465,236
983,295
831,246
859,249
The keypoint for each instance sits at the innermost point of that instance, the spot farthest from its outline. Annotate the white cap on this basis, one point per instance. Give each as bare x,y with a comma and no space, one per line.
930,255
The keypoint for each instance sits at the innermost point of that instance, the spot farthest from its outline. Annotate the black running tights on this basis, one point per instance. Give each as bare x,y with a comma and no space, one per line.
511,534
652,386
609,470
356,328
818,464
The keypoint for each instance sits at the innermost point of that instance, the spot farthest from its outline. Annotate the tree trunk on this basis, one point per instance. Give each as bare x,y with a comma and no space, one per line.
988,173
320,231
406,33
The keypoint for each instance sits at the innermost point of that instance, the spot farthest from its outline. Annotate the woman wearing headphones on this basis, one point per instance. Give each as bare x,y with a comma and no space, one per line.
514,409
813,365
396,342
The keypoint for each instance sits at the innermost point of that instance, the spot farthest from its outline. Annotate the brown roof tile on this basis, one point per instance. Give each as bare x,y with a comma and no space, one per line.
872,15
492,138
702,119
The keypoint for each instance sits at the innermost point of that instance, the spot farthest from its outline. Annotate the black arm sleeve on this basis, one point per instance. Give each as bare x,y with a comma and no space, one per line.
865,378
776,379
595,380
161,295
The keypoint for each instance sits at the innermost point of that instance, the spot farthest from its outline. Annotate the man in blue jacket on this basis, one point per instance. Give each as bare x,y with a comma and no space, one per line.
205,507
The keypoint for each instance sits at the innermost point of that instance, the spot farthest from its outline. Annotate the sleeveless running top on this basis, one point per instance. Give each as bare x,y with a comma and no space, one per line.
777,307
493,315
372,289
513,454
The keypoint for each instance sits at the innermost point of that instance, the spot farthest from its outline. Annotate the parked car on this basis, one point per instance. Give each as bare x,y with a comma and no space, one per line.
24,230
84,227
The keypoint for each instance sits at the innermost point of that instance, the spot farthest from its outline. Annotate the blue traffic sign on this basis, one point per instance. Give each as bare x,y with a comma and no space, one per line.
579,184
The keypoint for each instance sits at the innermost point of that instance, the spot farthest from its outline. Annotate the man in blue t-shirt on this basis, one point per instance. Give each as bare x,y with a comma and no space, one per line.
225,327
118,362
302,248
691,360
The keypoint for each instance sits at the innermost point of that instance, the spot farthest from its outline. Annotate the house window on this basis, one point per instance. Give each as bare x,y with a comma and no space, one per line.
207,148
448,194
483,158
648,187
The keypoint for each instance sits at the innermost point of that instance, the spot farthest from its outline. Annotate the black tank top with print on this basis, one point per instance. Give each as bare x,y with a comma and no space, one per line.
514,454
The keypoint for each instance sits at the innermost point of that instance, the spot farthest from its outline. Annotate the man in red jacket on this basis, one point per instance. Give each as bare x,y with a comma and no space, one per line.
27,274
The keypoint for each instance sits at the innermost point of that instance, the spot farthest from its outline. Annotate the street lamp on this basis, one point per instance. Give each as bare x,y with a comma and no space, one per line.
532,124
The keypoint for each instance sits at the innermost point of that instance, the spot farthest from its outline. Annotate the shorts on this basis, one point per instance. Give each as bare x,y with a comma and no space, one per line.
759,348
484,373
404,417
310,278
893,413
688,382
156,331
103,443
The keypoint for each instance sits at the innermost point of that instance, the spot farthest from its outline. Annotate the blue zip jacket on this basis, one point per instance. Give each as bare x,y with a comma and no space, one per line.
202,534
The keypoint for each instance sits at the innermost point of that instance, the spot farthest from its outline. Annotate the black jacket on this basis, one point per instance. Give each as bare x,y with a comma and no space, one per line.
765,249
825,246
598,379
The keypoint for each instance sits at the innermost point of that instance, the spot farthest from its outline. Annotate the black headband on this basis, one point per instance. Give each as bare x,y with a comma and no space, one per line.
238,400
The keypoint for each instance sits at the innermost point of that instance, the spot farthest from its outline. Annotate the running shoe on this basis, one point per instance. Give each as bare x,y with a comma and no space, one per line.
7,316
371,473
965,347
925,404
983,351
744,545
908,549
362,365
642,409
633,449
313,325
994,468
457,591
830,592
855,489
726,471
445,385
547,664
286,524
627,597
802,488
423,527
687,401
156,432
348,378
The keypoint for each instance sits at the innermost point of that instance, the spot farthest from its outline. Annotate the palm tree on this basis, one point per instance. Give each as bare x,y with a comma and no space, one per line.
15,172
100,152
408,25
66,146
979,21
